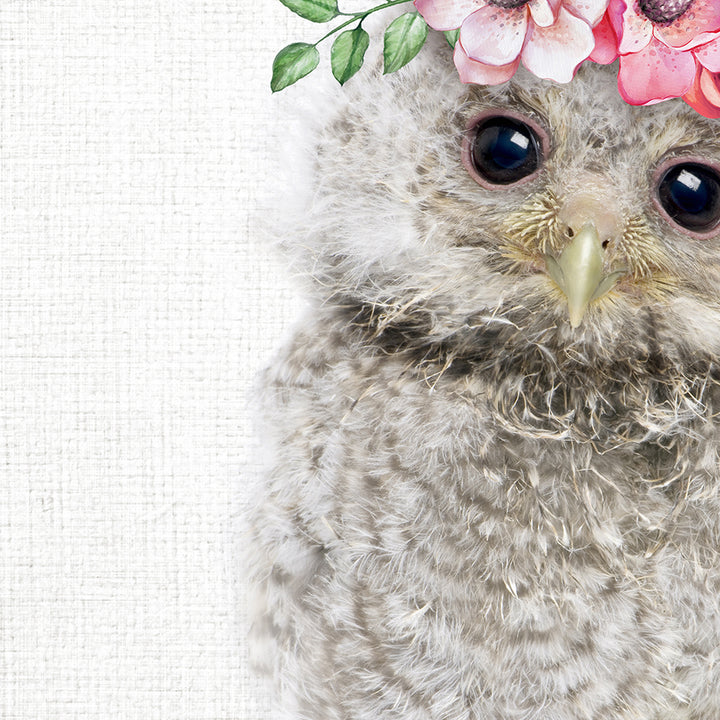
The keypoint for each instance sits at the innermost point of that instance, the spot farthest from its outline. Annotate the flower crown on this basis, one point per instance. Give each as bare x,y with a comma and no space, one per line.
667,48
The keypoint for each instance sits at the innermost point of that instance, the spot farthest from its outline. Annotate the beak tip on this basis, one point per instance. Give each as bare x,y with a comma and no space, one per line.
576,316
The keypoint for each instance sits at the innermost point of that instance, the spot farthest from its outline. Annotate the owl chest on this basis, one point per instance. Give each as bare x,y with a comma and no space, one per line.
533,554
509,534
455,560
480,570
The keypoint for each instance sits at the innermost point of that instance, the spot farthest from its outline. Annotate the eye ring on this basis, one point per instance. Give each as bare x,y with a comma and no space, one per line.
659,194
539,137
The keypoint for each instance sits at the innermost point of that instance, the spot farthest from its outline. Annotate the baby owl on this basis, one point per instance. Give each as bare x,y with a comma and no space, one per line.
495,487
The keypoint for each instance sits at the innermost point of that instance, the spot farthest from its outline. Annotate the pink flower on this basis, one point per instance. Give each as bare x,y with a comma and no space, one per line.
552,37
661,43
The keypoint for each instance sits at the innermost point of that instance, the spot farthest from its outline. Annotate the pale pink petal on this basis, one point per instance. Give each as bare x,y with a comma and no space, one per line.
696,26
542,12
472,71
555,52
605,50
706,103
447,14
634,31
494,35
591,11
655,73
709,55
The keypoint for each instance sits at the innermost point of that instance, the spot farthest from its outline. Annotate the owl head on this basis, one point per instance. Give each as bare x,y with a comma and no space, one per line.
529,230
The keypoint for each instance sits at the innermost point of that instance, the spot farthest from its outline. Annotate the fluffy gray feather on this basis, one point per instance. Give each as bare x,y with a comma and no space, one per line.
476,511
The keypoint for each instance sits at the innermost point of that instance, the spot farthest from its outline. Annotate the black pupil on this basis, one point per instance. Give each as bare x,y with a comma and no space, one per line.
690,194
505,150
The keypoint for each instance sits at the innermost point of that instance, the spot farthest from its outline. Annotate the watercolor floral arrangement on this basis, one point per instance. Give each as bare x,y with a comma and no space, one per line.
667,48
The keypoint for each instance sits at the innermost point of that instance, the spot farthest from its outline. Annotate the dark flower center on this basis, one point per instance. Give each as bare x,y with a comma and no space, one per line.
663,12
509,3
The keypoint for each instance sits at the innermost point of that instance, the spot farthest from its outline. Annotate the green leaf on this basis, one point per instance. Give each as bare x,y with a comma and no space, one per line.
403,39
318,11
452,36
292,63
348,53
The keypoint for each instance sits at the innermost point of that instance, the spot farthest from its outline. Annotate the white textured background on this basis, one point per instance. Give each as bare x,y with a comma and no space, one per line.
136,303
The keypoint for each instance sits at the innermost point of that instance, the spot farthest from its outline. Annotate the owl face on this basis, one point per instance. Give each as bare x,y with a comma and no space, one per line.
528,225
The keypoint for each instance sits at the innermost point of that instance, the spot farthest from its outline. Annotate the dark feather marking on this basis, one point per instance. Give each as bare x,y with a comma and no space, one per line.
538,385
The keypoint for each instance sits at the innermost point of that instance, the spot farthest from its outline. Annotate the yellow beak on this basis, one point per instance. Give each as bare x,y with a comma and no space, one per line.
579,272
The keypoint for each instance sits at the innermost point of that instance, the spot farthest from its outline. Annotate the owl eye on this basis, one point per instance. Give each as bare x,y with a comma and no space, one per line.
503,150
689,193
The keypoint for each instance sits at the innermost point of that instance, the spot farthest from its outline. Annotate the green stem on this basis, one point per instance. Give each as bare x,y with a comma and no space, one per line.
361,16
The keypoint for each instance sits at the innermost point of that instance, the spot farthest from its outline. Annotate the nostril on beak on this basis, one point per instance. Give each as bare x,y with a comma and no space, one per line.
594,203
570,233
